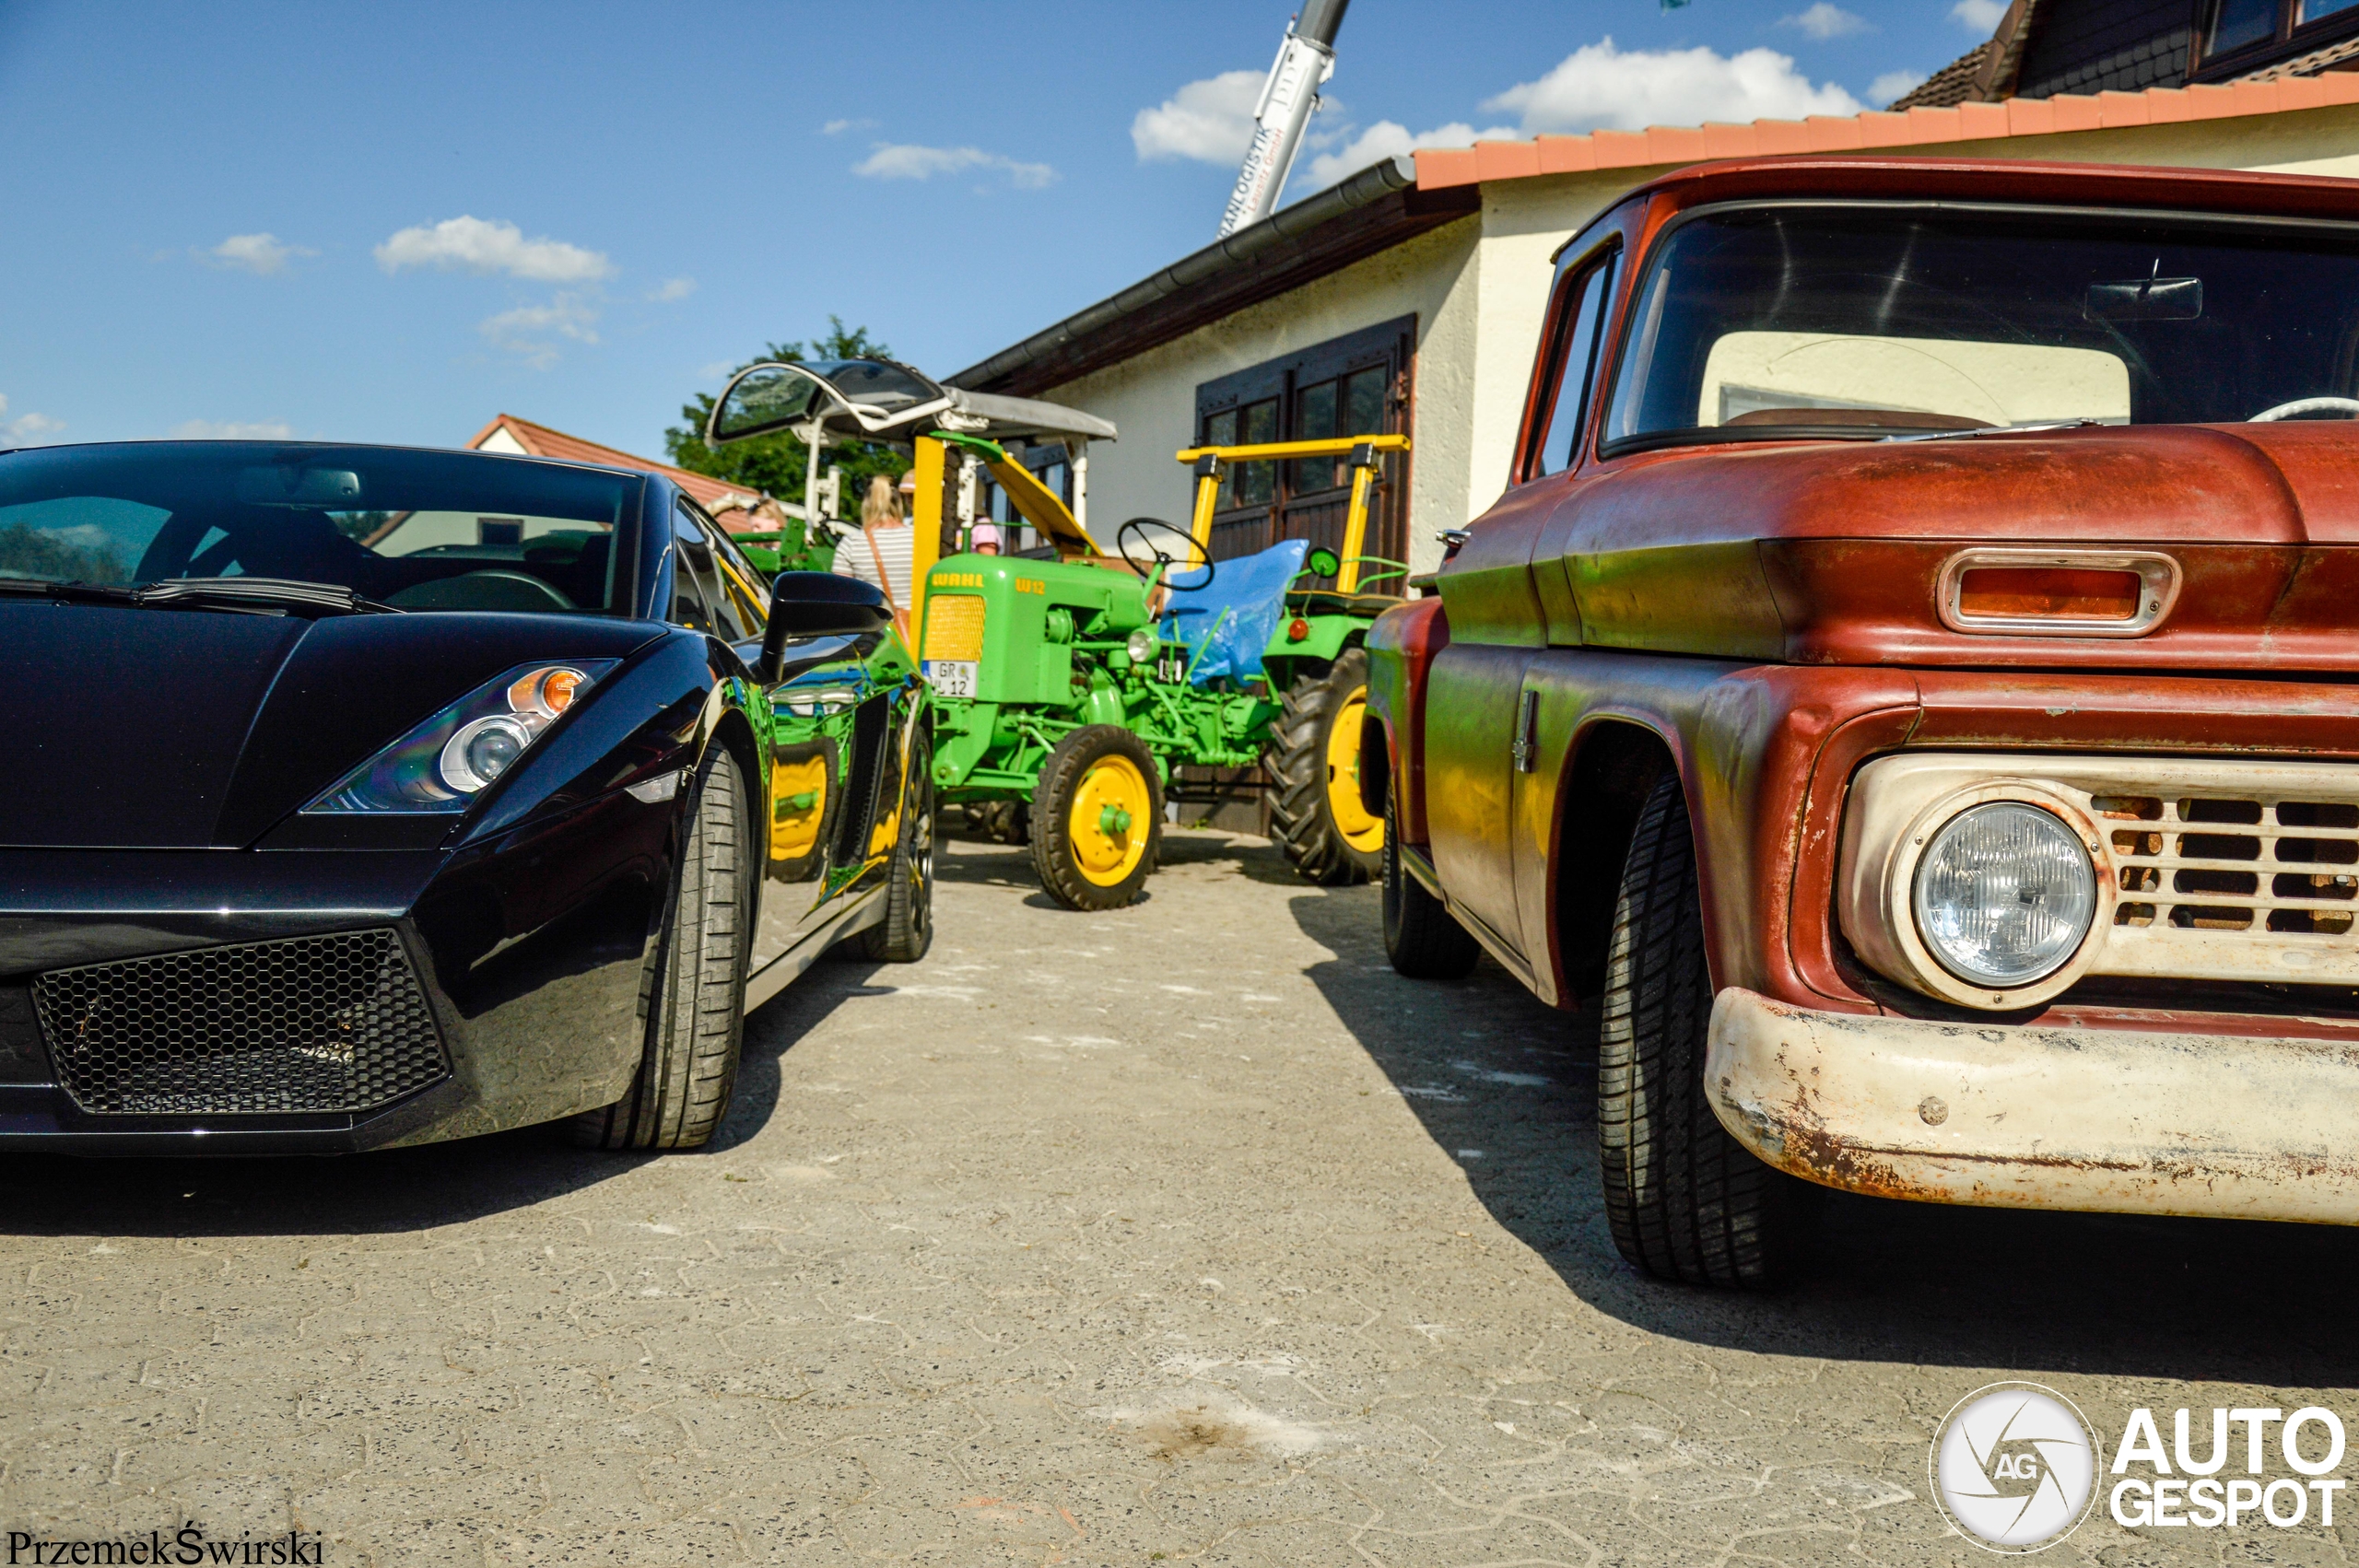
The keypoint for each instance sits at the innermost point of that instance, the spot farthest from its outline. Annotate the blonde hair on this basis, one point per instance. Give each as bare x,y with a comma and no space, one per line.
882,507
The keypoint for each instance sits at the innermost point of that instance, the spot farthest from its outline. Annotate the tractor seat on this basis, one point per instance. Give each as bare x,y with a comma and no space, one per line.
1327,601
1231,620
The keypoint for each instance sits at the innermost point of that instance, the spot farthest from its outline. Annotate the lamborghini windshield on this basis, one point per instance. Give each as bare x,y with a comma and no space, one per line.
413,530
1870,321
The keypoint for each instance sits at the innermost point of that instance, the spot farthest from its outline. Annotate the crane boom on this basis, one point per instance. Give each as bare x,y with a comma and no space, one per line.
1306,59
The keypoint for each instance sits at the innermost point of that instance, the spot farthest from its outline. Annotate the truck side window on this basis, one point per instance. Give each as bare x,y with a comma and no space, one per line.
1574,367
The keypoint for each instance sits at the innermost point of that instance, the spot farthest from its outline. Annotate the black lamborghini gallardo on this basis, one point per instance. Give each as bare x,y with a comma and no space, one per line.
368,796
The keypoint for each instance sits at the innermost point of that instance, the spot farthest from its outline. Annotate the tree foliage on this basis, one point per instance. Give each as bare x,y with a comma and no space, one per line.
774,464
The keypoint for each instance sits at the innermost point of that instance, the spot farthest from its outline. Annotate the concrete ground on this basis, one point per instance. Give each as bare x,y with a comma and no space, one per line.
1184,1233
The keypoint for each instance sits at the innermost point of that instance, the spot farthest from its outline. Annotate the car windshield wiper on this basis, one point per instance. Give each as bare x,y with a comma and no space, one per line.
268,593
51,588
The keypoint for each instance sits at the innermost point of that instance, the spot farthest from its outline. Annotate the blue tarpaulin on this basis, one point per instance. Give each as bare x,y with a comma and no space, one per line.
1226,623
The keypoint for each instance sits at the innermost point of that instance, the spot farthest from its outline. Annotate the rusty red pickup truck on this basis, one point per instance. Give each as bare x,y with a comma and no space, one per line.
1910,686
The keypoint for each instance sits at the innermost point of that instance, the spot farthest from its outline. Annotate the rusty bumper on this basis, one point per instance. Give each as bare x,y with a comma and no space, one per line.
2120,1120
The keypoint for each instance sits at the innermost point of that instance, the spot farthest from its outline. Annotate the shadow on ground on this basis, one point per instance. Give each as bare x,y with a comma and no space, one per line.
1488,1068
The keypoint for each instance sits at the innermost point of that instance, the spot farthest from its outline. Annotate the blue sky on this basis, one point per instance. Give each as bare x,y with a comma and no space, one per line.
390,222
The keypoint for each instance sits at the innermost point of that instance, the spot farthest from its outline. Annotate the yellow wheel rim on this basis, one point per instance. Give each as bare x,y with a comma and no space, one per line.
1358,829
1112,816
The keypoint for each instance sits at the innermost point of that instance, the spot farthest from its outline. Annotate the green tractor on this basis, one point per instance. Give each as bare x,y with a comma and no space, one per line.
1066,691
802,545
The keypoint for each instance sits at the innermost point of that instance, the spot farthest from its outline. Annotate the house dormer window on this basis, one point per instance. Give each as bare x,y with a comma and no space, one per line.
2241,35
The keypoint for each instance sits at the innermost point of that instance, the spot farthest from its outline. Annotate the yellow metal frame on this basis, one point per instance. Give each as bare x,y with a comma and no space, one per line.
1209,461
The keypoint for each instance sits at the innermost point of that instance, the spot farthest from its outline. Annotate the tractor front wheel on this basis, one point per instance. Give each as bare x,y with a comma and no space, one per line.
1316,814
1097,818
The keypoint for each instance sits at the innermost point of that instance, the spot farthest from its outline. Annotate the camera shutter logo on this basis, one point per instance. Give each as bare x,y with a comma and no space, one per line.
2014,1466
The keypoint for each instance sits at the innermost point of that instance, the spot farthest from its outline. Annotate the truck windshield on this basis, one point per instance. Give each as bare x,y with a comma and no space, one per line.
413,530
1867,321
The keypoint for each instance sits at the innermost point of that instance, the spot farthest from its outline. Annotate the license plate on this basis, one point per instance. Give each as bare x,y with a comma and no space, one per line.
952,677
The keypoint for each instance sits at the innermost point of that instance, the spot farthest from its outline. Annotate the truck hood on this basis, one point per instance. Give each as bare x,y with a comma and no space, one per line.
1831,552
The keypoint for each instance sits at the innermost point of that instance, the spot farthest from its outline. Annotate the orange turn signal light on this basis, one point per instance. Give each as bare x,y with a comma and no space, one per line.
2073,593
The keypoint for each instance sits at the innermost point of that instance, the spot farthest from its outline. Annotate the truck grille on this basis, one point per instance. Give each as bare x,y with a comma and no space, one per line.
316,1024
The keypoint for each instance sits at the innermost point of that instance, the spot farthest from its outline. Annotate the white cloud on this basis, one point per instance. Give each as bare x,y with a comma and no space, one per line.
675,288
1387,138
1597,84
233,430
26,430
1824,20
1209,120
1982,16
837,127
528,331
890,160
479,246
1893,84
259,253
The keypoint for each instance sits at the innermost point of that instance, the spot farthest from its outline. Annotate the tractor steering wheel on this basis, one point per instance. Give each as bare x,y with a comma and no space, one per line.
1122,547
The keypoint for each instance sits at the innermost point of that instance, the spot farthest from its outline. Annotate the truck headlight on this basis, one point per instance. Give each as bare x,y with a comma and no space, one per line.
2004,894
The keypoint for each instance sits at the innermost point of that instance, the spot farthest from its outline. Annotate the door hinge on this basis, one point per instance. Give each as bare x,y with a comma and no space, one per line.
1527,732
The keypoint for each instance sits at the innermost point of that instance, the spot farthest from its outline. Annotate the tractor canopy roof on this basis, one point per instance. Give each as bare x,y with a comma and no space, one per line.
882,400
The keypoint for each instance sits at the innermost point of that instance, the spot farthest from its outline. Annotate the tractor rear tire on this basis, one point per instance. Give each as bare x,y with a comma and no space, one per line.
1686,1201
694,994
1316,815
1097,818
1421,936
906,930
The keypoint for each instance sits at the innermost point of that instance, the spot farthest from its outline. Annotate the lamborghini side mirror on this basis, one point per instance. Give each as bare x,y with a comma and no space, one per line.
807,604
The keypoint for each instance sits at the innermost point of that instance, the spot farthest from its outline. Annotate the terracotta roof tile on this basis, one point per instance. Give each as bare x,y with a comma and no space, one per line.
1915,124
539,441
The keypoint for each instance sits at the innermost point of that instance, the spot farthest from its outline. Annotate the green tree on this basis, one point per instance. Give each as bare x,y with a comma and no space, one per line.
774,464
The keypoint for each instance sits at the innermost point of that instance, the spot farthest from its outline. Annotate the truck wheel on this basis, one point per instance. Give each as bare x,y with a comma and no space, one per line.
696,990
906,931
1685,1200
1097,818
1421,936
1314,759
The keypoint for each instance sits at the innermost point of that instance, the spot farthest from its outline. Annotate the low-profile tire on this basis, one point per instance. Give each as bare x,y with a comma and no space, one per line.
906,930
1421,936
1685,1200
694,997
1316,814
1097,818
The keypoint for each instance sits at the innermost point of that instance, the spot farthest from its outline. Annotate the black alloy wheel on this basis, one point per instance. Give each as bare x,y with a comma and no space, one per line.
906,930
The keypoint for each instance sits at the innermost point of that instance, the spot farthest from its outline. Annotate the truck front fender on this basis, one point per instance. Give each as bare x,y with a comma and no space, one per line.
1401,648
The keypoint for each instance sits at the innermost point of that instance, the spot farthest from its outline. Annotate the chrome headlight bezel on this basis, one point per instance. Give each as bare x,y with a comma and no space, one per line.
1897,806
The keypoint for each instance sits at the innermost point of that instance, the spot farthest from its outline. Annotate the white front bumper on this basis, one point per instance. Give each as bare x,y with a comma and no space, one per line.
2041,1118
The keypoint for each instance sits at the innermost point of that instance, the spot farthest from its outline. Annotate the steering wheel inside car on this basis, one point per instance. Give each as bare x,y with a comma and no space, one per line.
1122,547
2346,406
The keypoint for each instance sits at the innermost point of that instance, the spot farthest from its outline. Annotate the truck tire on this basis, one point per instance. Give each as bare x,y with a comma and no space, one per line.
906,930
694,993
1685,1200
1097,818
1314,760
1421,936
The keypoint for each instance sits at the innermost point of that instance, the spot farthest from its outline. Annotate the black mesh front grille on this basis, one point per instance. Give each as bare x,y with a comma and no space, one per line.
317,1024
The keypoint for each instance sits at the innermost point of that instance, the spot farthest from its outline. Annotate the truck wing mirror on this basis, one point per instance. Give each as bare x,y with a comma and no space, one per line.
806,604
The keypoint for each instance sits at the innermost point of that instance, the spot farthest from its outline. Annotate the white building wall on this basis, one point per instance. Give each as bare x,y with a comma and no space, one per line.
1152,398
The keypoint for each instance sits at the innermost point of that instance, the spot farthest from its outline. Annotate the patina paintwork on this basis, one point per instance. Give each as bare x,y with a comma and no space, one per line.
1761,619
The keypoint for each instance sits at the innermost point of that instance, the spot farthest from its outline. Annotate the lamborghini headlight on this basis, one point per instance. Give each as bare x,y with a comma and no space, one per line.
444,763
